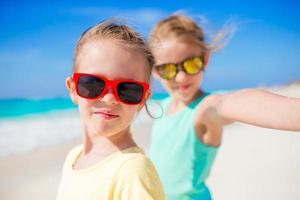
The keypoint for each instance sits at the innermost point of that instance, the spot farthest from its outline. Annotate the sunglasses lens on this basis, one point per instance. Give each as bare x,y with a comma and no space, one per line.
166,71
193,66
90,86
129,92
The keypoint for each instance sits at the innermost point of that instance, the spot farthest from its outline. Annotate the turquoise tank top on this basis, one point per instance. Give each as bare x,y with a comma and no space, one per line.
182,161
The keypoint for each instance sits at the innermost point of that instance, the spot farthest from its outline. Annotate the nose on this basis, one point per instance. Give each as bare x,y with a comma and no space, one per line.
181,76
109,97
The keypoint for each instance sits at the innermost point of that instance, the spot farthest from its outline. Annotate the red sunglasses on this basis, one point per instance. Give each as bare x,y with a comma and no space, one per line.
91,86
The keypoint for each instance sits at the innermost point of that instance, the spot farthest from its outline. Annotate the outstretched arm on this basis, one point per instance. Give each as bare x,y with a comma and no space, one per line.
261,108
252,106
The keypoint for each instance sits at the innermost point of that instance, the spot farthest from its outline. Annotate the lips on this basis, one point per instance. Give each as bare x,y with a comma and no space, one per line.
182,87
108,115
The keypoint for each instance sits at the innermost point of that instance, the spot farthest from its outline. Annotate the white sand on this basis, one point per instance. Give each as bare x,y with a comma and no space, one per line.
256,163
34,175
253,163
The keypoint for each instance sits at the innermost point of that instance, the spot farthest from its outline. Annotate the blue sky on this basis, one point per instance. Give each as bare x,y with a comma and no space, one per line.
37,40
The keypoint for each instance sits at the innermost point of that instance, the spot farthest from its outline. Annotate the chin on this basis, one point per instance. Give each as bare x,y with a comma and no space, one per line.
186,96
188,99
103,130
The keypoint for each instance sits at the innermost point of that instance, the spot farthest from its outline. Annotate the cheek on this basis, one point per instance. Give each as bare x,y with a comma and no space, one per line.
167,84
130,112
84,108
196,80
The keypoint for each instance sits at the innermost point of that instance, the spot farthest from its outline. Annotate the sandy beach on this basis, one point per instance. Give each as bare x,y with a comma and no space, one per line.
252,163
34,175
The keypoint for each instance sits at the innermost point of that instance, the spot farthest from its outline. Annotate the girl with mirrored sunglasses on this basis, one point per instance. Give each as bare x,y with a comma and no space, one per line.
185,140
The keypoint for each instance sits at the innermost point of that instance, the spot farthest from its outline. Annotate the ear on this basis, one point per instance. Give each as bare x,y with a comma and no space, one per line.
147,96
72,91
206,57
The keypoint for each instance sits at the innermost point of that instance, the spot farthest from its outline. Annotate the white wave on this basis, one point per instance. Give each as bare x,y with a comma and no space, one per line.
25,134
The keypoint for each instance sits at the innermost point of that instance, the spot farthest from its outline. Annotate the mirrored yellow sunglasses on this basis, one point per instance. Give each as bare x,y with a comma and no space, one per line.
190,66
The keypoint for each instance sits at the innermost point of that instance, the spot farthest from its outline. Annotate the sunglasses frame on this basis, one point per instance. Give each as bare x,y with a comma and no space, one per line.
179,66
108,83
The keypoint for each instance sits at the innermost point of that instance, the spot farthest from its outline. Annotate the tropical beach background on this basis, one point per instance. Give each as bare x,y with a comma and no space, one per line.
39,124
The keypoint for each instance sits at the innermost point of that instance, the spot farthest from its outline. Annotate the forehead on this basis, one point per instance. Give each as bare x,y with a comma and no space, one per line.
174,51
111,59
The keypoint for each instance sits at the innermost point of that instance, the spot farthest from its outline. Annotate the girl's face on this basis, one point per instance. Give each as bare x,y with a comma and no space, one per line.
183,87
106,115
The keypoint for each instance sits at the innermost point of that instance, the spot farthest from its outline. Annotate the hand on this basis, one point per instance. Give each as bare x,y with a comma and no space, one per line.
208,123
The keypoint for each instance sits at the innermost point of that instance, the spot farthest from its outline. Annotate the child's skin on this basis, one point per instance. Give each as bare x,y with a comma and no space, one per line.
104,134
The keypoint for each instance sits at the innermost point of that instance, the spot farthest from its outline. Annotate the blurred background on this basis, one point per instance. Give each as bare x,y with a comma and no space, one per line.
38,38
39,124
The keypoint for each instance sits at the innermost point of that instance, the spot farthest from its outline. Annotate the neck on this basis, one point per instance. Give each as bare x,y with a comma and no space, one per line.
108,144
178,104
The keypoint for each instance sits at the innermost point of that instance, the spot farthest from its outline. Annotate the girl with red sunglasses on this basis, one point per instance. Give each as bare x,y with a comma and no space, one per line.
110,84
185,140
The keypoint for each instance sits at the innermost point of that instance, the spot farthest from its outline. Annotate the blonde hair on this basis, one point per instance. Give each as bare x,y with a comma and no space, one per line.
186,29
121,33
